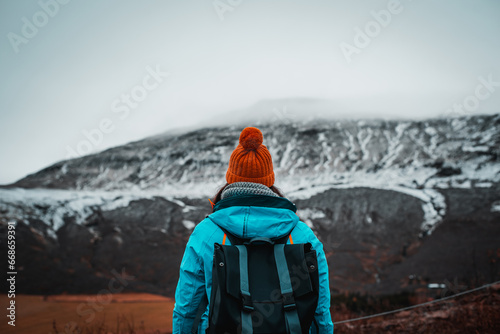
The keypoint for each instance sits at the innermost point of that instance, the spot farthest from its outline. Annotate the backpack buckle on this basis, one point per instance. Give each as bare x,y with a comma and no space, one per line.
246,299
289,302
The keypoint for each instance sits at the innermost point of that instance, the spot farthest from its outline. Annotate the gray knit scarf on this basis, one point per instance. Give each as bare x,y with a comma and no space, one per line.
246,188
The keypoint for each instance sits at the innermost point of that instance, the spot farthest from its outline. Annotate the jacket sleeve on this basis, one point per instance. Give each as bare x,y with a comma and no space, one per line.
191,286
322,315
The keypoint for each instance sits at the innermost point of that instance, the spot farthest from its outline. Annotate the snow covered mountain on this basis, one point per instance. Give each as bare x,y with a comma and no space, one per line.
439,153
390,200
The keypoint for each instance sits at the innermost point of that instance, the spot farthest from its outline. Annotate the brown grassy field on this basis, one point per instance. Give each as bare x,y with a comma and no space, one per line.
142,313
477,312
145,313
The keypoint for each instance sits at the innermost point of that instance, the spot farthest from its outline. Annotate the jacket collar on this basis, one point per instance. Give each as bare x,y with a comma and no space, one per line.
255,200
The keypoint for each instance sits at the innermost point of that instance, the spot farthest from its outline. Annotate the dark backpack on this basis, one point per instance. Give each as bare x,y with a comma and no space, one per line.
263,286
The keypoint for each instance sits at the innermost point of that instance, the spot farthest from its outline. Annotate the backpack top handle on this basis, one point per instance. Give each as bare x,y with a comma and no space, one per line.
260,240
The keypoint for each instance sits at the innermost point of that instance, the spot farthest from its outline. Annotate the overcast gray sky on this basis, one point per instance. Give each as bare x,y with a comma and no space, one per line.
82,76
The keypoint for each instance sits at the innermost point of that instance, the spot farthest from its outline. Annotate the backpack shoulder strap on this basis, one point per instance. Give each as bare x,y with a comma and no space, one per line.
289,307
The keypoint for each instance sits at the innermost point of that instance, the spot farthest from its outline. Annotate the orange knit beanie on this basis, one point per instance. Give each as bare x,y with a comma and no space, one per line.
251,161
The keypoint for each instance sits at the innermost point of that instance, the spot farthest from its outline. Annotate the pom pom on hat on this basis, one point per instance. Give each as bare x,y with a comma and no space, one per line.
251,138
251,161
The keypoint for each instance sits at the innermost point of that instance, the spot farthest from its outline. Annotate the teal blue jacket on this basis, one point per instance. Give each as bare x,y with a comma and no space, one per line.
268,217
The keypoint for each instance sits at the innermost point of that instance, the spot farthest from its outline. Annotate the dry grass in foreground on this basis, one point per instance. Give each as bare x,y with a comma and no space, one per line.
474,313
148,314
86,314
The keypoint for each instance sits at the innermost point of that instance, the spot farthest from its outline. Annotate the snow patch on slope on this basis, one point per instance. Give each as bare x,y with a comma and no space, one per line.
495,207
53,205
433,202
306,215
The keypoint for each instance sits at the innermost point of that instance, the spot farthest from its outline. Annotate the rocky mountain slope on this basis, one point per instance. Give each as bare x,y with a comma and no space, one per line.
398,204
